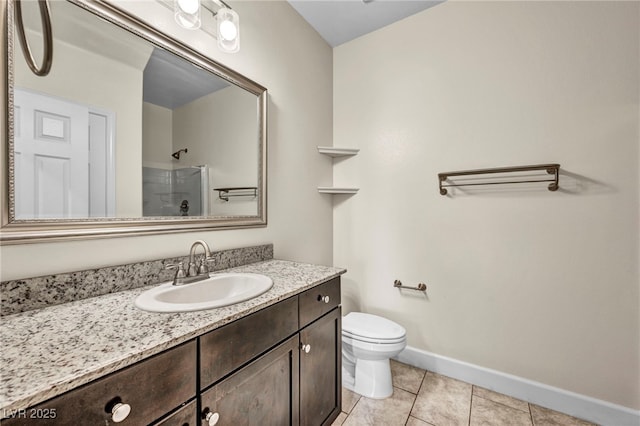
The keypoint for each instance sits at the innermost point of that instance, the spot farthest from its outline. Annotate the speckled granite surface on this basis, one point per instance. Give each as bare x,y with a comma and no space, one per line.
35,293
46,352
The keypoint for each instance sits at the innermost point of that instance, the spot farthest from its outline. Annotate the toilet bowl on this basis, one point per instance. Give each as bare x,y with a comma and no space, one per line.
368,341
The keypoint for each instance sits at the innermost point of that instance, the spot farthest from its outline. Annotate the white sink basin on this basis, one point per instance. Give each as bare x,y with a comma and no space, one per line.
214,292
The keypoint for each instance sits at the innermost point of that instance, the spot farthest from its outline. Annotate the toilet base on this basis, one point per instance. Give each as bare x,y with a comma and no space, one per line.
372,379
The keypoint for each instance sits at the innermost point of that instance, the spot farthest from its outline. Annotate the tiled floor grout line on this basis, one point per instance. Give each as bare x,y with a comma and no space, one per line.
470,405
504,405
531,414
424,376
415,397
354,407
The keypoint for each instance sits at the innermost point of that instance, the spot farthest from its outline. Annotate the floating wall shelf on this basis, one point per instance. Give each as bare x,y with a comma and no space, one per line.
336,190
337,152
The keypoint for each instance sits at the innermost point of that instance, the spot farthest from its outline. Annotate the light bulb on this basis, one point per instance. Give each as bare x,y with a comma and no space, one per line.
189,6
228,30
187,13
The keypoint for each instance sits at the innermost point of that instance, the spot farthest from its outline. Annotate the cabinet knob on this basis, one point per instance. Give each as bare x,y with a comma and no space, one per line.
305,348
324,299
212,418
119,412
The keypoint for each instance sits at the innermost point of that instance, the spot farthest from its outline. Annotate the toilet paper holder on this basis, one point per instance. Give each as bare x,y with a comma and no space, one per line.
420,287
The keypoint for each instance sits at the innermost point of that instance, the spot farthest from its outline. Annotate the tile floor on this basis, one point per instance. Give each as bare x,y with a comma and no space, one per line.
422,398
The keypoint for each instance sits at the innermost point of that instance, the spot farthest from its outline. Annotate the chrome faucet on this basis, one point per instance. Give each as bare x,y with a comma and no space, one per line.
195,272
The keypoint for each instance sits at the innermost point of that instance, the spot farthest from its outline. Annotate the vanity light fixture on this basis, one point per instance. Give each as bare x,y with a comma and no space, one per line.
187,15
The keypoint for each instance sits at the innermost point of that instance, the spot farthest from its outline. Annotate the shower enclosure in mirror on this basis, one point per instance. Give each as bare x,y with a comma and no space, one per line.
129,133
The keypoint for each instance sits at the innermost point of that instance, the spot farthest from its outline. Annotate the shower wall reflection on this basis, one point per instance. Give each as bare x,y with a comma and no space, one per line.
178,192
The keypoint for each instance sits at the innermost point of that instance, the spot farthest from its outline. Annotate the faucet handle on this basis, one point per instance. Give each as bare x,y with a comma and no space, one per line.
204,267
171,266
180,273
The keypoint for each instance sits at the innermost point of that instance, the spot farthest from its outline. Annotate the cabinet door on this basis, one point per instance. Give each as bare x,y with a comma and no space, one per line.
320,370
265,392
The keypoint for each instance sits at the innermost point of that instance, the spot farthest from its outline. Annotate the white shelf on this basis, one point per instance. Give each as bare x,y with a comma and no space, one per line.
337,152
336,190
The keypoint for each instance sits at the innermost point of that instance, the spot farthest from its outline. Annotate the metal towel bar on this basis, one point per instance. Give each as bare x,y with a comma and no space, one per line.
552,169
243,191
420,287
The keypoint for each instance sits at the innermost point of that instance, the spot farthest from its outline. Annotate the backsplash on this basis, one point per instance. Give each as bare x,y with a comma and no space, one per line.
33,293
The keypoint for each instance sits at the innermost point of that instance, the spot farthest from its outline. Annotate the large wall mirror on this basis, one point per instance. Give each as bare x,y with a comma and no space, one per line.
131,132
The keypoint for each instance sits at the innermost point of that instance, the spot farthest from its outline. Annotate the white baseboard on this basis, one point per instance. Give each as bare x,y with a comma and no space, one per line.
573,404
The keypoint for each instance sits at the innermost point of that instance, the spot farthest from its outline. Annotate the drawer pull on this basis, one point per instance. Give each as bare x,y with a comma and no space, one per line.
324,299
119,412
212,418
305,348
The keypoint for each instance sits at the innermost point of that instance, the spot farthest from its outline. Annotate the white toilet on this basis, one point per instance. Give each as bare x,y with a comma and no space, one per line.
368,341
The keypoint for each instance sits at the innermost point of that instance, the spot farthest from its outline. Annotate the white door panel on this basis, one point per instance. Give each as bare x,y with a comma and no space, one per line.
52,156
52,186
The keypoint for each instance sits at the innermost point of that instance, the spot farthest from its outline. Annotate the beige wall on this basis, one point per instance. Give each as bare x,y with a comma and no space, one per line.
157,140
220,131
537,284
297,71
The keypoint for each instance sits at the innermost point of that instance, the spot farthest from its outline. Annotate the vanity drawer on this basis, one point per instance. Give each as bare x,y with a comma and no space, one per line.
151,388
319,300
231,346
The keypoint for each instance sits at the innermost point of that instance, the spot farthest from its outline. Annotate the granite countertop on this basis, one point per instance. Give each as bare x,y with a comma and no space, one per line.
46,352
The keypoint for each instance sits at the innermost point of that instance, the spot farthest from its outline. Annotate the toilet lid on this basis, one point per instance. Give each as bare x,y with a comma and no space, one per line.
372,327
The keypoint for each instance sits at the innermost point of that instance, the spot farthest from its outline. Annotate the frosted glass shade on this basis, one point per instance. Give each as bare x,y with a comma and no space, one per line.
187,13
228,23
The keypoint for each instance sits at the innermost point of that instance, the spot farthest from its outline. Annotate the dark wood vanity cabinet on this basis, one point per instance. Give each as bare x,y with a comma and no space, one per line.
278,366
297,378
146,390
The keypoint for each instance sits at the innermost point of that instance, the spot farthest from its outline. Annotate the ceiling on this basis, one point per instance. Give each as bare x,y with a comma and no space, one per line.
339,21
170,81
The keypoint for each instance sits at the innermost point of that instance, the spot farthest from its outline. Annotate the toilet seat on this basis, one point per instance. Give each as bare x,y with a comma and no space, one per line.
372,329
376,340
